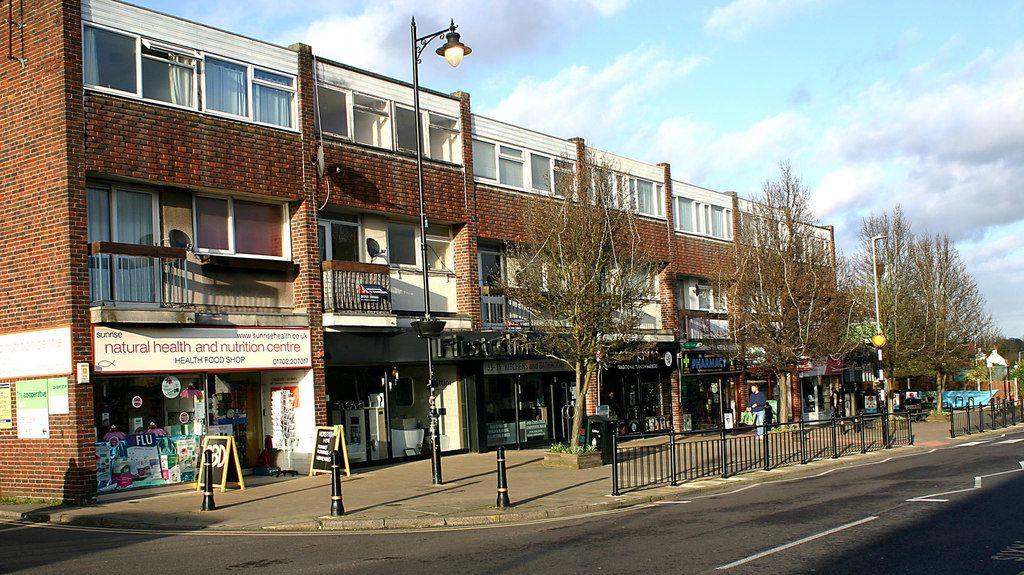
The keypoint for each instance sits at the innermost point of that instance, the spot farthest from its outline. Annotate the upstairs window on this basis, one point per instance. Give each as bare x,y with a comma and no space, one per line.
484,160
439,248
339,239
563,177
491,268
443,135
371,121
405,129
168,75
333,116
109,59
240,227
401,244
272,96
684,214
121,214
540,173
225,88
510,166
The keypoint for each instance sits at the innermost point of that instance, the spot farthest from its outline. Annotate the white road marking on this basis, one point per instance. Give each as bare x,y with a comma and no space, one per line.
933,497
917,499
809,538
1018,440
970,443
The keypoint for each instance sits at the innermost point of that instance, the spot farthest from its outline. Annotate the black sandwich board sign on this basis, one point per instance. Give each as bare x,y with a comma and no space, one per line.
225,452
328,438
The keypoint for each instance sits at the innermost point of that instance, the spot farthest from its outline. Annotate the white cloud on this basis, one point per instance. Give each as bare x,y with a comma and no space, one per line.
580,101
735,19
844,187
376,36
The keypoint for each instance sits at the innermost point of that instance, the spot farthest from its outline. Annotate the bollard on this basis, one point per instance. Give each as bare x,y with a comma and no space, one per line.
337,504
673,465
208,504
503,501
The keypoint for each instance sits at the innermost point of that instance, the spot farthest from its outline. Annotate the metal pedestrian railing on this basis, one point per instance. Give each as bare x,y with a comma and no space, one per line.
670,458
977,418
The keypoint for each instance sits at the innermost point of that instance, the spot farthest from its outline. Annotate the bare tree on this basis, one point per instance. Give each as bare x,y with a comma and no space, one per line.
580,274
790,297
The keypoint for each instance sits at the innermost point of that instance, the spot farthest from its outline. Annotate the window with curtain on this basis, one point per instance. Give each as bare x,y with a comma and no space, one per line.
405,129
718,222
212,216
133,218
484,160
684,214
258,228
510,166
167,76
646,203
563,177
108,59
339,240
272,96
371,121
540,172
443,133
225,87
333,117
401,244
98,217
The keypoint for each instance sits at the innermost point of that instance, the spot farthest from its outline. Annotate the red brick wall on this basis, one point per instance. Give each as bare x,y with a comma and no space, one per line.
43,264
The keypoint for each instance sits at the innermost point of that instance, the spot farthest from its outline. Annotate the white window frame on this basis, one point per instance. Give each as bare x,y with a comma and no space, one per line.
350,136
449,254
522,160
286,236
417,253
198,78
111,190
389,111
326,223
480,267
394,129
428,150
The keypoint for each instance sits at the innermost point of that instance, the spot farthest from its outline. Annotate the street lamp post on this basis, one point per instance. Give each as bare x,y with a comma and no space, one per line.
878,316
428,328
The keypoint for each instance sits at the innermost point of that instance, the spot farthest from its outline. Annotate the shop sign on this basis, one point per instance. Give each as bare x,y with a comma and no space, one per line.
327,440
6,411
183,417
171,387
57,396
35,353
870,403
137,402
501,345
148,350
33,409
82,369
698,362
373,293
523,366
661,357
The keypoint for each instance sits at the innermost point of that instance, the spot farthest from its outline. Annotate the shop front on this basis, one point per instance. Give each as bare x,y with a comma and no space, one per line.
158,391
377,388
638,392
525,402
709,389
821,389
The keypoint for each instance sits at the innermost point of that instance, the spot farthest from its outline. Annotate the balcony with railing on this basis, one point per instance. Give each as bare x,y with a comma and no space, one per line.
700,325
354,289
497,311
132,275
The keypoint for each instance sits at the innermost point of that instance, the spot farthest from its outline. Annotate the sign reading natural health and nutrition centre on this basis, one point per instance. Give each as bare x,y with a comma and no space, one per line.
163,350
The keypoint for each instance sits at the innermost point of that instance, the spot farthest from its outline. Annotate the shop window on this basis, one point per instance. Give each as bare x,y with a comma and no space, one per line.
333,111
371,121
225,87
404,392
443,134
239,227
109,59
339,239
401,244
484,160
167,75
405,129
272,96
510,166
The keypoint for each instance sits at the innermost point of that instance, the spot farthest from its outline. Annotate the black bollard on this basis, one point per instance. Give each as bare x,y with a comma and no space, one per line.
208,504
503,501
337,504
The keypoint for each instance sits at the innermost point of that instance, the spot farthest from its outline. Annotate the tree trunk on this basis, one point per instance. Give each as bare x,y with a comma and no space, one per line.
579,409
784,398
940,379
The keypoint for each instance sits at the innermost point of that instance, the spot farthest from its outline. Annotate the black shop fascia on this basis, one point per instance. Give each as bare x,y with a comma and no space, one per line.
637,391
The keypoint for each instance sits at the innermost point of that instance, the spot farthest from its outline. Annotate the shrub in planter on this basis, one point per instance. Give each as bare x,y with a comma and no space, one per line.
566,456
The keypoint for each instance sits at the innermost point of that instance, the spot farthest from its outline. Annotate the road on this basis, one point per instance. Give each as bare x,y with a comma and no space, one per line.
954,510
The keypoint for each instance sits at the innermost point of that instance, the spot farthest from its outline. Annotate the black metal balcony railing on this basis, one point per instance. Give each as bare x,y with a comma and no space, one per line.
356,287
137,274
499,312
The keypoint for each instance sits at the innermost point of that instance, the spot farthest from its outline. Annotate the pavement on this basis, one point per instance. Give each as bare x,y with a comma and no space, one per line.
953,509
401,497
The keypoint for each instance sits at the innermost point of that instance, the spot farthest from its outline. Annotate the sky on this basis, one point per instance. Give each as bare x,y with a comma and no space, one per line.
873,103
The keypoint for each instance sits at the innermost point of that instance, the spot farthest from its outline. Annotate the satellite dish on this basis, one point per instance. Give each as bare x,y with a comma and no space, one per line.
320,161
178,239
373,248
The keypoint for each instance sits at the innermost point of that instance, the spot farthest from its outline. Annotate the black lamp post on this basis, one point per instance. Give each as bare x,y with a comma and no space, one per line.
428,328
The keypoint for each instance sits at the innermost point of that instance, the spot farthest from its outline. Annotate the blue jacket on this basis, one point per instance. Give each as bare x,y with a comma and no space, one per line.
756,401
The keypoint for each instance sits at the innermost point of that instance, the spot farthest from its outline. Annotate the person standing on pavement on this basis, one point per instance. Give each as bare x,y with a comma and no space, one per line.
756,402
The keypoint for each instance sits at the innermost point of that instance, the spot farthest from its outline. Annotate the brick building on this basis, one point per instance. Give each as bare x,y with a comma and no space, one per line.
177,262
